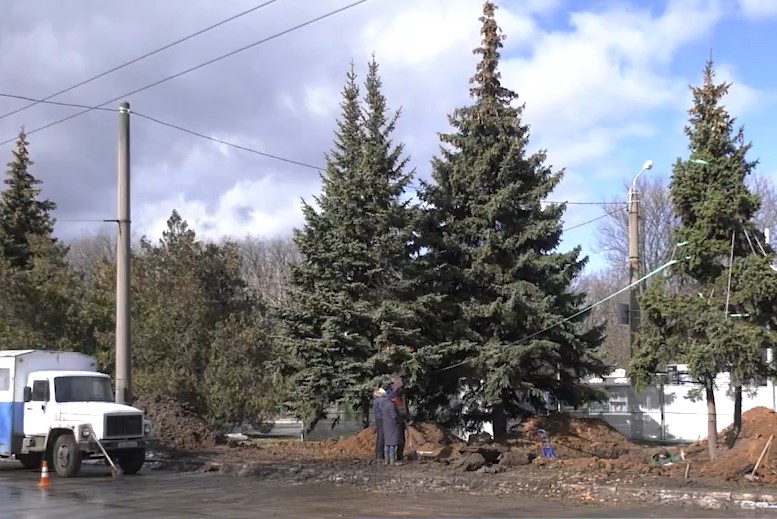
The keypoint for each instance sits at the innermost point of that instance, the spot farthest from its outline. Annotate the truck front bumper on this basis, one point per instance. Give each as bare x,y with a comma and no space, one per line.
115,445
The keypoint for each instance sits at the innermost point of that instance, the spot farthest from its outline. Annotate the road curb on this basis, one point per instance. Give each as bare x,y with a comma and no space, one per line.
708,499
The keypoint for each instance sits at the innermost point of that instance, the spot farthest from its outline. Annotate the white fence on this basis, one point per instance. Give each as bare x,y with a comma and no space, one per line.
669,412
665,413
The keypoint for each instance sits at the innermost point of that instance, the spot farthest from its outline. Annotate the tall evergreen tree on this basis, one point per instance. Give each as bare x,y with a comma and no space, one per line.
715,210
498,282
45,305
26,224
348,309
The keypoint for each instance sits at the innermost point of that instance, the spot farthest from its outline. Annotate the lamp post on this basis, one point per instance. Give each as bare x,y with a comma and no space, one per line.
634,254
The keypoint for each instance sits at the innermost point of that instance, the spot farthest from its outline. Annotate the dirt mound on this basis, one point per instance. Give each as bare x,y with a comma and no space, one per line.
176,424
424,436
361,445
428,436
573,437
757,425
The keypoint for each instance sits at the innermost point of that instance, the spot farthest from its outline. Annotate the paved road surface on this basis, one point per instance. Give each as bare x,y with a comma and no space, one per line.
162,495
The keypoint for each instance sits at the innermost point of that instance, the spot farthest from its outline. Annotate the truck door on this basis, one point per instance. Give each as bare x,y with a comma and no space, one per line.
6,405
36,411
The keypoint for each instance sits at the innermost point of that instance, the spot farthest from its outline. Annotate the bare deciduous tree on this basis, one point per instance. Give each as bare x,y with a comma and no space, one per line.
265,265
598,286
657,223
767,216
87,250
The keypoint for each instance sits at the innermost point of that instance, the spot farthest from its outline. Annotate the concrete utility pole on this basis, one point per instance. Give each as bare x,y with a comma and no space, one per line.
634,258
123,335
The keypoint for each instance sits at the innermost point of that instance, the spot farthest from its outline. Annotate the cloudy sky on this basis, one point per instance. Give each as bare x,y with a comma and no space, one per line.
605,84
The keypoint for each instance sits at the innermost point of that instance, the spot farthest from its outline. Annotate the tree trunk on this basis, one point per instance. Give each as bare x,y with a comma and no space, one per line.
738,409
499,422
712,422
365,413
733,434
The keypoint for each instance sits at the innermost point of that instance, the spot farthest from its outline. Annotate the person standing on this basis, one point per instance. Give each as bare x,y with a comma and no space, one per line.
391,428
378,396
402,415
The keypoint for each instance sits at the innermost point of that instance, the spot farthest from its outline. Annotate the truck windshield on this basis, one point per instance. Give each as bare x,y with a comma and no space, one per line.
83,389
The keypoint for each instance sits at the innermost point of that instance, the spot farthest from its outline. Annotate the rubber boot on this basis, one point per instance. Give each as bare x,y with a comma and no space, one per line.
394,459
387,454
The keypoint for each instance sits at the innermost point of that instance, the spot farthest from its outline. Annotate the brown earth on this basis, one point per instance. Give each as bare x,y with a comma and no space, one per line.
732,464
361,446
573,437
177,424
581,445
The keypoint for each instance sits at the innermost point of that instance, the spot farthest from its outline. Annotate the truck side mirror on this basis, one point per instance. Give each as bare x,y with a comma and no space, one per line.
27,394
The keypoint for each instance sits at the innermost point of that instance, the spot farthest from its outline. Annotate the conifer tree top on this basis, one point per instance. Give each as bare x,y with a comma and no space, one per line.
486,81
23,216
709,190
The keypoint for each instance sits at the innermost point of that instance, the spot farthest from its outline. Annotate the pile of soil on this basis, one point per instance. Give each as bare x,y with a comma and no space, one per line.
429,436
360,446
177,424
732,464
426,436
573,437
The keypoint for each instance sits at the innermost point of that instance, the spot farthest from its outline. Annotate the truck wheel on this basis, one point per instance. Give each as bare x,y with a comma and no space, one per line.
131,460
31,460
67,457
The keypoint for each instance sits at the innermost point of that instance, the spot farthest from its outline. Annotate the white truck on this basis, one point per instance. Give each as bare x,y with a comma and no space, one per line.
57,405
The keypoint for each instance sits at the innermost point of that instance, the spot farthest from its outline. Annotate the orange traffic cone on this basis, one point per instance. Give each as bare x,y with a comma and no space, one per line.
44,475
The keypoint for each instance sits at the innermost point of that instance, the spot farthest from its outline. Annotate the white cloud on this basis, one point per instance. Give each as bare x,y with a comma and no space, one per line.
758,9
262,208
321,100
423,33
606,76
589,85
741,98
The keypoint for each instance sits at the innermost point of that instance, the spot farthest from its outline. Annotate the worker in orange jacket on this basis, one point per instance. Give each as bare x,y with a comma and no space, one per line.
398,398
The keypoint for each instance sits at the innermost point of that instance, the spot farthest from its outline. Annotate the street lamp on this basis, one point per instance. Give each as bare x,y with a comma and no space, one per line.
634,253
646,166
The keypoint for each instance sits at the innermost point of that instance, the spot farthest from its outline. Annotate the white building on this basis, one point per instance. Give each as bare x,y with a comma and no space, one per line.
669,412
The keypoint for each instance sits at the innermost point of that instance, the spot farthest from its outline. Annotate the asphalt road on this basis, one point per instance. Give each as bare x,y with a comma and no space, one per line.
162,494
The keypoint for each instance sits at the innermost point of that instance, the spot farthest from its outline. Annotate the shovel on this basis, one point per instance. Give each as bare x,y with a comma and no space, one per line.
410,452
116,472
752,476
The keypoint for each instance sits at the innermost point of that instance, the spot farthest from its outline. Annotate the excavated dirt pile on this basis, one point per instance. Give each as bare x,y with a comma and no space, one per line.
732,464
177,424
360,446
426,436
573,437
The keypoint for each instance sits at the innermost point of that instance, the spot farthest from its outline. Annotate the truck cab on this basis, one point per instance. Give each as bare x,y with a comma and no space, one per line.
63,409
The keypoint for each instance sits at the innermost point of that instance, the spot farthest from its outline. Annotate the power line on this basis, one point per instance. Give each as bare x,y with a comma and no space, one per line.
87,220
56,103
196,67
580,203
605,215
140,58
227,143
301,164
322,168
257,152
270,155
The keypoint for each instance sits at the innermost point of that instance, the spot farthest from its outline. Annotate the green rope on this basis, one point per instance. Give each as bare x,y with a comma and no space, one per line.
580,312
